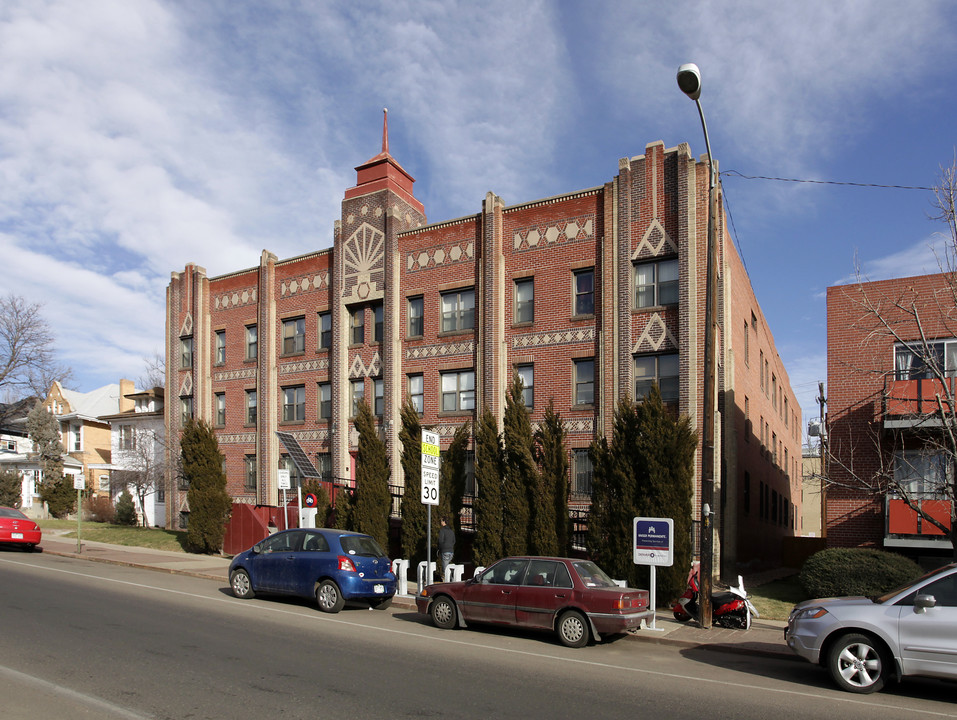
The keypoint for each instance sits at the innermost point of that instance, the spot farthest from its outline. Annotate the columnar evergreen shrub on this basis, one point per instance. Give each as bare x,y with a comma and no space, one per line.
372,498
552,457
125,510
489,464
10,488
209,503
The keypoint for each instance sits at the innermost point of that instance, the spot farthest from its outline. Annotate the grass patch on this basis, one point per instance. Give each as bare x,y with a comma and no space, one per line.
155,538
774,600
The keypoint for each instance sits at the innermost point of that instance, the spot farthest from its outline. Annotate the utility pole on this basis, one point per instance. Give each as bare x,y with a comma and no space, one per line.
822,402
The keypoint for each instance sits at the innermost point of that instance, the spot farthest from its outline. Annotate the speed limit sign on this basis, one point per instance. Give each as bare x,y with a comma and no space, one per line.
430,468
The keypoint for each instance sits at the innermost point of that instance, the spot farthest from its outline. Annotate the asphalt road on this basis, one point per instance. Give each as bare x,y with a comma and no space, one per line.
80,639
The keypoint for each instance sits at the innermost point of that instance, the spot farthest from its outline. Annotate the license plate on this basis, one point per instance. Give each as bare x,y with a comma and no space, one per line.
16,536
379,588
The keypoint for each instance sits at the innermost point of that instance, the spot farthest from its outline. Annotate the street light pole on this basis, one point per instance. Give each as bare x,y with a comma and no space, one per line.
689,81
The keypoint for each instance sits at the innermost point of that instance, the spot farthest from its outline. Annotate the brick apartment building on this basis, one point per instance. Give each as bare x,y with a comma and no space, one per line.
588,296
879,409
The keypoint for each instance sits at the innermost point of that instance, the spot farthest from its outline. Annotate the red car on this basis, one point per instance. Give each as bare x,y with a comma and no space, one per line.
15,527
574,598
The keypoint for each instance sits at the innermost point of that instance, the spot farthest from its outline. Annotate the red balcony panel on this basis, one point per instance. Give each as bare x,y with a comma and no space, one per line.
901,520
939,510
914,397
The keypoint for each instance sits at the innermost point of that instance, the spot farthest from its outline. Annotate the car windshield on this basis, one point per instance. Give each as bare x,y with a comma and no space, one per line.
12,513
361,545
898,590
592,575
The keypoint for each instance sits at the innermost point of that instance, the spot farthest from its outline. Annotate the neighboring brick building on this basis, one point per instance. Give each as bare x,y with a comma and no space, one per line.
589,296
879,399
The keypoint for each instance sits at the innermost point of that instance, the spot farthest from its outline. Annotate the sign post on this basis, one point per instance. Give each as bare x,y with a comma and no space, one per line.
430,489
653,543
282,479
79,482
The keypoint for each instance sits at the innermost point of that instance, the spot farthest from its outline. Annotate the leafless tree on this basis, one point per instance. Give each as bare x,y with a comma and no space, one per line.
144,467
28,363
154,373
922,464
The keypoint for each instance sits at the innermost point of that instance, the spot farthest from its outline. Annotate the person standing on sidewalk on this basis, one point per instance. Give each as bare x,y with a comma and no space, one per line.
446,545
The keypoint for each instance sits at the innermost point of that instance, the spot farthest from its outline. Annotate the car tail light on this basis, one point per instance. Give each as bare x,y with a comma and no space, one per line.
345,564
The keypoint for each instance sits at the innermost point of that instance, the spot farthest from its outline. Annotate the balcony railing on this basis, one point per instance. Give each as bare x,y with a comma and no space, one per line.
910,398
905,526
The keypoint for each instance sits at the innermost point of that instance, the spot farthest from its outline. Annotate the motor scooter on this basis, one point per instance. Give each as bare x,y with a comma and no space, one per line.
730,608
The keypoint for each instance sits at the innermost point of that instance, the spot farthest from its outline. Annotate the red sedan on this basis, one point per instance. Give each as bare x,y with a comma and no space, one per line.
17,528
574,598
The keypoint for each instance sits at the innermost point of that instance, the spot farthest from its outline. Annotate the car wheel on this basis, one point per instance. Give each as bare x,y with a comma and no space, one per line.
443,613
241,585
573,629
329,598
381,603
857,663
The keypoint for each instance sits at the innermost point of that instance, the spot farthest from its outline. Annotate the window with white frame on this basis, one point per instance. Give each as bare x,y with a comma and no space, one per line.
378,327
220,347
127,438
923,472
324,465
357,394
378,396
293,336
656,283
526,373
662,369
458,391
185,409
186,353
458,310
524,300
252,407
416,316
220,401
252,342
357,326
916,360
249,475
417,392
294,403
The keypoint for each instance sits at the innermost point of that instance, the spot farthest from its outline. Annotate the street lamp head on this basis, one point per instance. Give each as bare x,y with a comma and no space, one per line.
689,80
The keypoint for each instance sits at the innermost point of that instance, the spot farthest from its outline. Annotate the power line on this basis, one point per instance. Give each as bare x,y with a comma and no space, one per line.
735,173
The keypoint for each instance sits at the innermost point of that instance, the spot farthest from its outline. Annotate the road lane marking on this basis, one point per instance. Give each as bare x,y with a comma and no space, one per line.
243,604
71,695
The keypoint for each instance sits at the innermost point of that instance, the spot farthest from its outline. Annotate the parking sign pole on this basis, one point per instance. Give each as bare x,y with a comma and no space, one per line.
430,488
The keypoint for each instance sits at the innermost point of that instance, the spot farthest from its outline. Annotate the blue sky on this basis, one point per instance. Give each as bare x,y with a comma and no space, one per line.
139,135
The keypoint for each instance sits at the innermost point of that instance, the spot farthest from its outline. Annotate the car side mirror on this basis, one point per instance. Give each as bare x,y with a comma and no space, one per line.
257,548
922,602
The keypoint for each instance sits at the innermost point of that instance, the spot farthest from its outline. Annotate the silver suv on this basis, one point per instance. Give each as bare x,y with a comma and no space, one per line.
866,641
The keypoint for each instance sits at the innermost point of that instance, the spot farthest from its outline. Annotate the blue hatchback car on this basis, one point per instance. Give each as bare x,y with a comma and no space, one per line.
331,565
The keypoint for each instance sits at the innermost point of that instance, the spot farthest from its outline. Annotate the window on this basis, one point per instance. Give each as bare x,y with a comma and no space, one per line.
325,401
104,482
220,347
252,403
294,403
656,283
458,310
416,316
357,326
324,465
186,353
584,285
357,393
293,336
747,344
582,472
748,430
747,493
378,396
526,373
774,391
662,369
585,381
458,391
524,301
916,361
127,438
220,402
185,409
249,477
252,342
377,329
417,393
921,473
325,330
761,368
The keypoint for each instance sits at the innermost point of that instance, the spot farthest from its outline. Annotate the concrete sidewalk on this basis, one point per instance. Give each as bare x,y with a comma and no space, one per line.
765,638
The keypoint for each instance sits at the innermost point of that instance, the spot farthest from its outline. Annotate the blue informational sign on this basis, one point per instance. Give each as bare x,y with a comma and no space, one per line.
654,541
